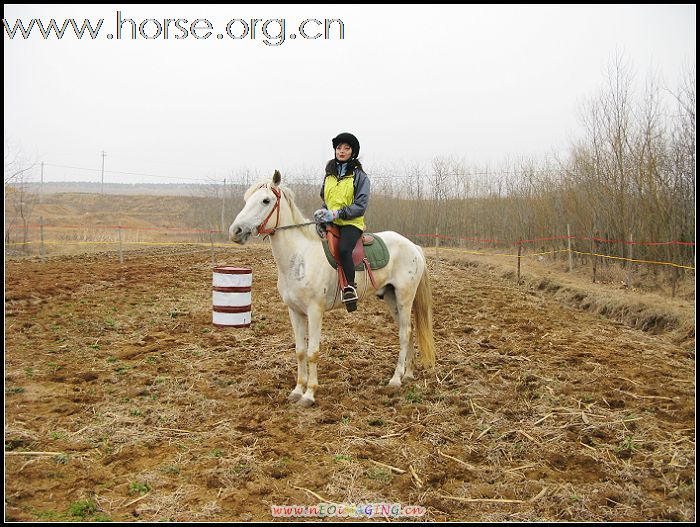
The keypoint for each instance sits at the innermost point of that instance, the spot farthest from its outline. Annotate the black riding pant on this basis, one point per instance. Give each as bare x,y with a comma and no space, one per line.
349,234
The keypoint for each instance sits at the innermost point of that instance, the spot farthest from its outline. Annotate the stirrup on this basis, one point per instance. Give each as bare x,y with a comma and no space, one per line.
349,294
349,298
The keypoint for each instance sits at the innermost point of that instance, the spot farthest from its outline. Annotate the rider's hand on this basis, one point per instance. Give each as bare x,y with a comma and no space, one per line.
326,215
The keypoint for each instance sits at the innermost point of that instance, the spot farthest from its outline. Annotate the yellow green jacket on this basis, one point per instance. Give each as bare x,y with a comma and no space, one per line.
348,194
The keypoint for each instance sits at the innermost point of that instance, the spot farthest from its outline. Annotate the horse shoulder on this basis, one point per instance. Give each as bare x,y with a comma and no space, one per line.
304,282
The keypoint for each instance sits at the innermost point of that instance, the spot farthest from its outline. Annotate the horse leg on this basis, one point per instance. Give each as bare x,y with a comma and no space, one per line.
408,376
299,325
402,315
390,298
315,318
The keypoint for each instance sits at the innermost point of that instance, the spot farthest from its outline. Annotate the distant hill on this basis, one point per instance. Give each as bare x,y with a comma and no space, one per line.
150,189
133,211
138,205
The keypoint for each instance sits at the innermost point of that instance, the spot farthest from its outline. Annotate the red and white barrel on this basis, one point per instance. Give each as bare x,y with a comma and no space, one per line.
231,297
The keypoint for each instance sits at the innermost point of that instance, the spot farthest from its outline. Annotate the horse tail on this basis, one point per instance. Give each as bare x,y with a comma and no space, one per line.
423,309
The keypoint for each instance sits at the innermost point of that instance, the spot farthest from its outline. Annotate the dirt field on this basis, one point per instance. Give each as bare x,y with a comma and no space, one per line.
123,402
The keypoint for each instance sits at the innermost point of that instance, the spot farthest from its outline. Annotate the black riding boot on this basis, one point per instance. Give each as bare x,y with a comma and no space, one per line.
350,297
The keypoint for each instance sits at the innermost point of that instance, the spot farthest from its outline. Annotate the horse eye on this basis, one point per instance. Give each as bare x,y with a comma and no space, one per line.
266,201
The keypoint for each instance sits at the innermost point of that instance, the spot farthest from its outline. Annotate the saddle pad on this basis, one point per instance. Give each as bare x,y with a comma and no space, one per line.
377,254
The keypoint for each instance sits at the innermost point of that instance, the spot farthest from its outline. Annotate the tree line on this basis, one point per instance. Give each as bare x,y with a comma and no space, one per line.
629,176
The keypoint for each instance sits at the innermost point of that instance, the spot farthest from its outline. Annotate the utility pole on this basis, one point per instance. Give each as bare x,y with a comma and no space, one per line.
103,172
223,208
41,189
568,241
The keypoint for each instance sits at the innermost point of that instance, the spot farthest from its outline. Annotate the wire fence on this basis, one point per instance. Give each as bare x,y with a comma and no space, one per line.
91,230
519,243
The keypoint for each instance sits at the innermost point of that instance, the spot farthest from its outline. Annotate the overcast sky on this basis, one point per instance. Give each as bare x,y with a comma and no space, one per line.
481,83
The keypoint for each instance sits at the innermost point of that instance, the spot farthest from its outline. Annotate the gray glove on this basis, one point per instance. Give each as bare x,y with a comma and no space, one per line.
326,215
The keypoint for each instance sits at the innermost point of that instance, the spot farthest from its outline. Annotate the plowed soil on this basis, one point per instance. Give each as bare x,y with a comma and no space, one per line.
123,402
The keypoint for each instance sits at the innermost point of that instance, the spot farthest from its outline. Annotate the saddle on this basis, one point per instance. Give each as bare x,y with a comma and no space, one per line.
359,259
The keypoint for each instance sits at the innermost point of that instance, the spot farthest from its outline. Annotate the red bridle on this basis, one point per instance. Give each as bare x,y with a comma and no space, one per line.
261,229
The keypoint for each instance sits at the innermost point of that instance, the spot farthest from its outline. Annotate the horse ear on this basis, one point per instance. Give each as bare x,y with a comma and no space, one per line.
277,178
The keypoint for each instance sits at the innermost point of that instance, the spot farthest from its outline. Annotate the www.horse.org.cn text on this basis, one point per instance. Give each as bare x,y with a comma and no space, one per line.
270,31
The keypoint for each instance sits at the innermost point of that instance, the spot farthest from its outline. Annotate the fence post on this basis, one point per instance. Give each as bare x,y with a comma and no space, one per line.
568,241
223,208
25,237
674,281
630,254
121,254
42,251
520,249
594,250
211,241
437,248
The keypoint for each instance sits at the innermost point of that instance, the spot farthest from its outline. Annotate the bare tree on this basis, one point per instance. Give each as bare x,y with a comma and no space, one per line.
19,202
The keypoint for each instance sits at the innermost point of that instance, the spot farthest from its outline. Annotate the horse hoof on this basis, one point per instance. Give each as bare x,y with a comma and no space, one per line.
408,377
395,383
305,402
294,397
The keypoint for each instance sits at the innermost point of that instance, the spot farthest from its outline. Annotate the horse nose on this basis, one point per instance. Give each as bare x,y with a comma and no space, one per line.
238,230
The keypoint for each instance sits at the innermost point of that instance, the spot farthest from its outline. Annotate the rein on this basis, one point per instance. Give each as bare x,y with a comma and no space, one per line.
262,230
296,225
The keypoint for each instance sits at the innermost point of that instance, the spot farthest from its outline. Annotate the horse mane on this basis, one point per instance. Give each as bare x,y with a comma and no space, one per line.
297,215
254,188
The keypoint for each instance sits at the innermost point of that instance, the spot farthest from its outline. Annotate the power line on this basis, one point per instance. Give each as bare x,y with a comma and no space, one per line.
313,181
123,173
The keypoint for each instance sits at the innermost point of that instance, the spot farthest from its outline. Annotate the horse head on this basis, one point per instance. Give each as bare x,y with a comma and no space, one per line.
262,200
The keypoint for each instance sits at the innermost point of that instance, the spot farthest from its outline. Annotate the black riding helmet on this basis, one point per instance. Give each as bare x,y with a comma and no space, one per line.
350,139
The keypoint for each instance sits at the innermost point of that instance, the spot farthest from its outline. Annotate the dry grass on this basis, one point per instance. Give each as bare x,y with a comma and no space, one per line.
535,411
646,306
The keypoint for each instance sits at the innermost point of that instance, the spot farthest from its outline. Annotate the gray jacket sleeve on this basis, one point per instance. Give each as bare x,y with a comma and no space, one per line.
323,194
359,206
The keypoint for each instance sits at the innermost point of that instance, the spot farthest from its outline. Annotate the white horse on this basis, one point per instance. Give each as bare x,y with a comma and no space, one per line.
308,283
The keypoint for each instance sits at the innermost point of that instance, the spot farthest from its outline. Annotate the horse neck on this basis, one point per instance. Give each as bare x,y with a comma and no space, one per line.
287,242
